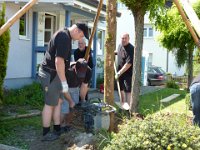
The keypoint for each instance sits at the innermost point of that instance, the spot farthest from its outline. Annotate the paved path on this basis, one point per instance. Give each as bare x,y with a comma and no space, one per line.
93,93
170,98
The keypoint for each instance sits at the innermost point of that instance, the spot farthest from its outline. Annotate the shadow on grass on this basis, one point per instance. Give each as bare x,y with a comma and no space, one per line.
150,103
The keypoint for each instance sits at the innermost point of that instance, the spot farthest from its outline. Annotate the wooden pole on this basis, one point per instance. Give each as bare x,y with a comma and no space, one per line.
192,16
93,30
185,19
20,13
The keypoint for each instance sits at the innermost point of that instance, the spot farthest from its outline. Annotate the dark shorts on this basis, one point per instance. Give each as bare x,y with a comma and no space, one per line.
52,89
125,83
88,75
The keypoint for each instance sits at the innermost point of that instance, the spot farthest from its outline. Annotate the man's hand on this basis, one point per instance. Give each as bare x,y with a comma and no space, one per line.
65,87
117,75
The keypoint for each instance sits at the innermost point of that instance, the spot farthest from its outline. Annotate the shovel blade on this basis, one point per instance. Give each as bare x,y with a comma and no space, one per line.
125,106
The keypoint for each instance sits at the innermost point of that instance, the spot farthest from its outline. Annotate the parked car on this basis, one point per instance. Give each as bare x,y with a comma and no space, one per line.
155,76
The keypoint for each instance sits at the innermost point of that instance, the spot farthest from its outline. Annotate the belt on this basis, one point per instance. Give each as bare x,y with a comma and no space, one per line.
52,72
49,70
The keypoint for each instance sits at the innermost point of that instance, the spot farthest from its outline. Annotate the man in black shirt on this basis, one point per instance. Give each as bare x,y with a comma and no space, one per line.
195,99
52,76
78,73
125,63
80,53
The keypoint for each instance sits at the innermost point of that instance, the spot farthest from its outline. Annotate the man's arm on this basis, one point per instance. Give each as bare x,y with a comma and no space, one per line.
60,68
68,97
124,68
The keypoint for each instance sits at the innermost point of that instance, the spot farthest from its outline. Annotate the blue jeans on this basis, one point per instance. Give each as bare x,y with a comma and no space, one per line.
74,93
195,100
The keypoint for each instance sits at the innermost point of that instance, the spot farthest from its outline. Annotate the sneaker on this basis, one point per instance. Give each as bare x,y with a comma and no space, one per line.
50,136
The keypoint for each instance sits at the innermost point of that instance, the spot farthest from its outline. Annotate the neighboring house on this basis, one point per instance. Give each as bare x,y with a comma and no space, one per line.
154,53
30,34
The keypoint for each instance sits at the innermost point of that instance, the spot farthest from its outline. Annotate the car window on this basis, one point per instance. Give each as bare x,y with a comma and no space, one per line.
154,70
159,70
150,70
162,71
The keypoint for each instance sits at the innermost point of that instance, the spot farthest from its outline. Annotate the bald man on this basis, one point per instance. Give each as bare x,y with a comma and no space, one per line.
125,53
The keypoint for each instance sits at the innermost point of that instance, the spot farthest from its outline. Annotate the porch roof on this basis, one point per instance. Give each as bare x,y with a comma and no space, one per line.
90,5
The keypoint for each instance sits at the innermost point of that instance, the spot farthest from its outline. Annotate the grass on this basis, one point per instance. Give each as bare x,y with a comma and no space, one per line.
150,103
16,132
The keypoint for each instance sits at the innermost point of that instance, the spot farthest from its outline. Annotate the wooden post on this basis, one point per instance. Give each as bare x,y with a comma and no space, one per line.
93,30
192,16
185,19
20,13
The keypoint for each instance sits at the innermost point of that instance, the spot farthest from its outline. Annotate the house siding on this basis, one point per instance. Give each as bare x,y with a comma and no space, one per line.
20,51
19,65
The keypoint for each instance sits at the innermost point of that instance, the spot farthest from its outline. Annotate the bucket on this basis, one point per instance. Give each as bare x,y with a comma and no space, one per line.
97,115
102,118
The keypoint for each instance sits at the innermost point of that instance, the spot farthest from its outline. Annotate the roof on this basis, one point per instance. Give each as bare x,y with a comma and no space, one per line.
95,3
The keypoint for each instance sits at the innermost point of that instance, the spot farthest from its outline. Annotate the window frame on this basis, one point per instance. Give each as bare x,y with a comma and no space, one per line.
53,26
100,51
147,35
27,22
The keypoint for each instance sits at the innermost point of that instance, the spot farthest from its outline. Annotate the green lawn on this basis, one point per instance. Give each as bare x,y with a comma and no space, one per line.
150,103
18,132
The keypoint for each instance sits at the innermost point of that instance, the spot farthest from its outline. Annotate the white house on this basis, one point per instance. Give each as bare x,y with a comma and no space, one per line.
157,55
30,34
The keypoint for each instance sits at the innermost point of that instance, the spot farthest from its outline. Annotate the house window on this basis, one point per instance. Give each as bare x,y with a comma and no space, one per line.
23,26
145,32
148,32
100,42
150,59
49,27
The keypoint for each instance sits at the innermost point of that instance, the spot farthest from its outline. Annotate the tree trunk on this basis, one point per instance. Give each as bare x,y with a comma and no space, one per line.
110,45
190,68
136,78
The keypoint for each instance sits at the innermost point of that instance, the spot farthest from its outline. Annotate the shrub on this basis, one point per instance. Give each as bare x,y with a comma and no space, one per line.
172,84
100,80
157,132
31,95
4,48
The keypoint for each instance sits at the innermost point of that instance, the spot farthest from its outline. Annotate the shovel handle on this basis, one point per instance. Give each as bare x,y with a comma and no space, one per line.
118,87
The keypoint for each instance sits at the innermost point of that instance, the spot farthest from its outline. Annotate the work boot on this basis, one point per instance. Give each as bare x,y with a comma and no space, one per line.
50,136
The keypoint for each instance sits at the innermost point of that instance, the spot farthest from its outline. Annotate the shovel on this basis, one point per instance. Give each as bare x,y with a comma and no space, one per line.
124,105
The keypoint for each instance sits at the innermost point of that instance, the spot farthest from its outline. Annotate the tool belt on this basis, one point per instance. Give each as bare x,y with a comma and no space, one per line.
52,72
